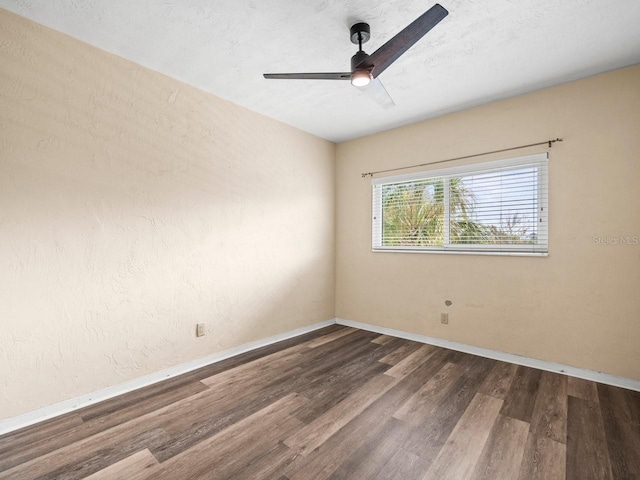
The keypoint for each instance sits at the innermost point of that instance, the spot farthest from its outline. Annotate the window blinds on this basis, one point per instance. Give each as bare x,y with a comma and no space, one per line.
499,206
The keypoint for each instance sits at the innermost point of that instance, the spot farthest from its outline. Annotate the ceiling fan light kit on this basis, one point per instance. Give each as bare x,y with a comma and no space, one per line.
366,68
360,78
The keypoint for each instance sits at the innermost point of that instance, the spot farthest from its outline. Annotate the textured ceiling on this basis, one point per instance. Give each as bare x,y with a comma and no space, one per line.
484,50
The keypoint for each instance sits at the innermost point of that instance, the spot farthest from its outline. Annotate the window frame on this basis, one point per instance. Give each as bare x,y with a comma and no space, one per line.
539,160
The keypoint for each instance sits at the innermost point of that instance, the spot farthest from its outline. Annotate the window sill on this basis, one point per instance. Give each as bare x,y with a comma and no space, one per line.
457,252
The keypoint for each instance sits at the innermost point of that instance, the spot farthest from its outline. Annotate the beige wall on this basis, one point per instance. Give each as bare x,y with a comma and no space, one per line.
132,207
580,305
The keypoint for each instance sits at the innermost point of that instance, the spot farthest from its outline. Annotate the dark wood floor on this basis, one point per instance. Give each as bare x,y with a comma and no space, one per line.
345,404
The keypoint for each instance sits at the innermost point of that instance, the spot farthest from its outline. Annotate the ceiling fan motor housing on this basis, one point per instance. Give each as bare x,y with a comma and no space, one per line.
357,59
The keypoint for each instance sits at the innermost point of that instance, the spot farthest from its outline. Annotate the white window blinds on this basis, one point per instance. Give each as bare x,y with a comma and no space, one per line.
499,206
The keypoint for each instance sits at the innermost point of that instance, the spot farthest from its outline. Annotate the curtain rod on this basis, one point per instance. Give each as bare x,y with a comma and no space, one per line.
547,142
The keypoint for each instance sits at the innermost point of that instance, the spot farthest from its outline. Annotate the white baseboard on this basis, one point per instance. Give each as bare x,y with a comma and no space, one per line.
45,413
600,377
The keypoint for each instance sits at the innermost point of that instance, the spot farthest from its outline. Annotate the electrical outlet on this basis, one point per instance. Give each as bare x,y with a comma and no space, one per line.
444,318
200,330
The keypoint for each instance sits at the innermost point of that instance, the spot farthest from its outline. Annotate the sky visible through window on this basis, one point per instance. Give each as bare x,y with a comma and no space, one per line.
507,201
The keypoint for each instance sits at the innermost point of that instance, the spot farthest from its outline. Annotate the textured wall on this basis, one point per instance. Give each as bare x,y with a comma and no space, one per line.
580,305
132,207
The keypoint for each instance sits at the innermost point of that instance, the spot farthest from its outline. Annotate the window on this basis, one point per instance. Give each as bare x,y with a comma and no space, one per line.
491,207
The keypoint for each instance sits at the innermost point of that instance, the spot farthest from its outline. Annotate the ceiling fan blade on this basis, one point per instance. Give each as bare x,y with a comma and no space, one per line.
309,76
376,92
403,41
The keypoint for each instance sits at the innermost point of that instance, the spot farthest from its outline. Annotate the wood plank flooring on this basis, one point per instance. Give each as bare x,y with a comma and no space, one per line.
342,403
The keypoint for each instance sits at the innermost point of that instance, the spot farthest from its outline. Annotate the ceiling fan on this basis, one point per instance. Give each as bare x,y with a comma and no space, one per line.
365,68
